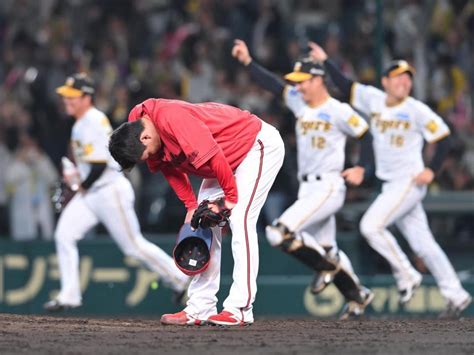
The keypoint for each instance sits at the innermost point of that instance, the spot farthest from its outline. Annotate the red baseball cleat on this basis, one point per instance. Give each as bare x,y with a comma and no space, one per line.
180,318
226,318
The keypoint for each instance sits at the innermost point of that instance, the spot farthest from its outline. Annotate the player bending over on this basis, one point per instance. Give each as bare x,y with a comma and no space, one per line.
239,156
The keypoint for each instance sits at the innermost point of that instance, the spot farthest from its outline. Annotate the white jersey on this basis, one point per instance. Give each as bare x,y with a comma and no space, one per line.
398,131
90,140
321,132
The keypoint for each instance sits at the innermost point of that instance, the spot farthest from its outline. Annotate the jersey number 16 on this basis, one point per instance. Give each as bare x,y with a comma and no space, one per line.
397,140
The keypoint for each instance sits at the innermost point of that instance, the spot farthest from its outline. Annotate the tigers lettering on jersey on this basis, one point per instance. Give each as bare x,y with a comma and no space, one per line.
383,125
321,132
398,131
316,125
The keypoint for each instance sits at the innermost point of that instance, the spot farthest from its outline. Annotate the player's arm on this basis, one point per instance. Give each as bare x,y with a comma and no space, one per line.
442,149
201,149
366,156
262,77
365,165
355,126
428,174
434,131
97,169
343,83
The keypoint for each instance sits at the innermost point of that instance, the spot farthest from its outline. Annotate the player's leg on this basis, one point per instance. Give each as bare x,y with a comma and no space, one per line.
324,234
357,296
414,226
294,231
254,178
74,222
396,199
202,291
114,205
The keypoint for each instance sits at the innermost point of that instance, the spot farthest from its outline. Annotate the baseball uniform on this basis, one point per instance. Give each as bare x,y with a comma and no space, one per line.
398,136
239,156
321,134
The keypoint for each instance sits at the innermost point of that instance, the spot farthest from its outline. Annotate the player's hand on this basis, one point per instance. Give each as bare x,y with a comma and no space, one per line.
317,53
215,208
354,176
240,51
426,177
72,180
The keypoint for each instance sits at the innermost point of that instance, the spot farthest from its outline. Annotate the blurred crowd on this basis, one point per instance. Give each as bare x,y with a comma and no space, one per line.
135,49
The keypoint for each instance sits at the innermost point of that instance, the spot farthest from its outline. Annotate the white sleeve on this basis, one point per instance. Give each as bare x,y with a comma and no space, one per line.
363,96
95,140
350,122
293,100
430,124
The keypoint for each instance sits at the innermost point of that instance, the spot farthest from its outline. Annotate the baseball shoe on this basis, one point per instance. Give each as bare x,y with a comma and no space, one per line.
226,318
56,306
353,309
180,318
321,280
454,312
405,295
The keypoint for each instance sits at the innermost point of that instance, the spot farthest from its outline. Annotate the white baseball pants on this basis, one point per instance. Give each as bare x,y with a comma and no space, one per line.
254,178
112,205
401,203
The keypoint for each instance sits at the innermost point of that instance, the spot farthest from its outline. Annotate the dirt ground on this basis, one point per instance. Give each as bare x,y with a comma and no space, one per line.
41,335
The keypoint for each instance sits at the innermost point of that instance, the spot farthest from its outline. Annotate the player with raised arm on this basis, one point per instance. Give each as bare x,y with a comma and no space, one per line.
307,229
399,124
103,194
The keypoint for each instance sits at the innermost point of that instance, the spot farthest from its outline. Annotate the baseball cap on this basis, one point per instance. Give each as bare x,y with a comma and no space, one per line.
192,252
397,67
305,69
77,85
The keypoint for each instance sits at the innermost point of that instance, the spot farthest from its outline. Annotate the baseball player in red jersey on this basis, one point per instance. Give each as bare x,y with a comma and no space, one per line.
239,156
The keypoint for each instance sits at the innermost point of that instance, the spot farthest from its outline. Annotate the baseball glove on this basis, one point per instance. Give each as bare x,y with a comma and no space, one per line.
205,217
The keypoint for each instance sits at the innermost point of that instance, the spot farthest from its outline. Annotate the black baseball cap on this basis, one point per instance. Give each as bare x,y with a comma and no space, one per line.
305,69
397,67
77,85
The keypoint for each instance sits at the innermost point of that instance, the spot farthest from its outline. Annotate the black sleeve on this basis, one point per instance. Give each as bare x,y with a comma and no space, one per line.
96,171
366,156
266,79
441,151
343,83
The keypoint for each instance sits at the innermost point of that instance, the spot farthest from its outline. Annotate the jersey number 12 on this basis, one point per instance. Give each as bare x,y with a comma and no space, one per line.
318,142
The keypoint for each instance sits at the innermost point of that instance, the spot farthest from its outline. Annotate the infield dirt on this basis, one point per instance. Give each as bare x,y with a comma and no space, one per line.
66,335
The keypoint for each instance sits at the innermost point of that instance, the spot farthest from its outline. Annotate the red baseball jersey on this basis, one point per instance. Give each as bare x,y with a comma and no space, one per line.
208,140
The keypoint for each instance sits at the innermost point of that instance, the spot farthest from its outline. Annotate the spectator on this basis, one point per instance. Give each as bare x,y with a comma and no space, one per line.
29,180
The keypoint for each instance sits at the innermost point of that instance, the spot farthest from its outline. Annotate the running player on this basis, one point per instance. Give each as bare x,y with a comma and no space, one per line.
399,124
307,229
104,195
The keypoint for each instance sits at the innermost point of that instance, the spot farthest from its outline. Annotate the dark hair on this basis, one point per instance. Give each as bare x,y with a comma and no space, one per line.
125,146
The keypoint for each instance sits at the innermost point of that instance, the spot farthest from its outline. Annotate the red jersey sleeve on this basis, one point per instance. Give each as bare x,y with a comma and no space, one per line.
181,185
225,176
192,135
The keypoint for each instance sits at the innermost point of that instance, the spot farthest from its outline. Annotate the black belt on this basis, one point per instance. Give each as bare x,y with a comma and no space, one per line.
306,177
